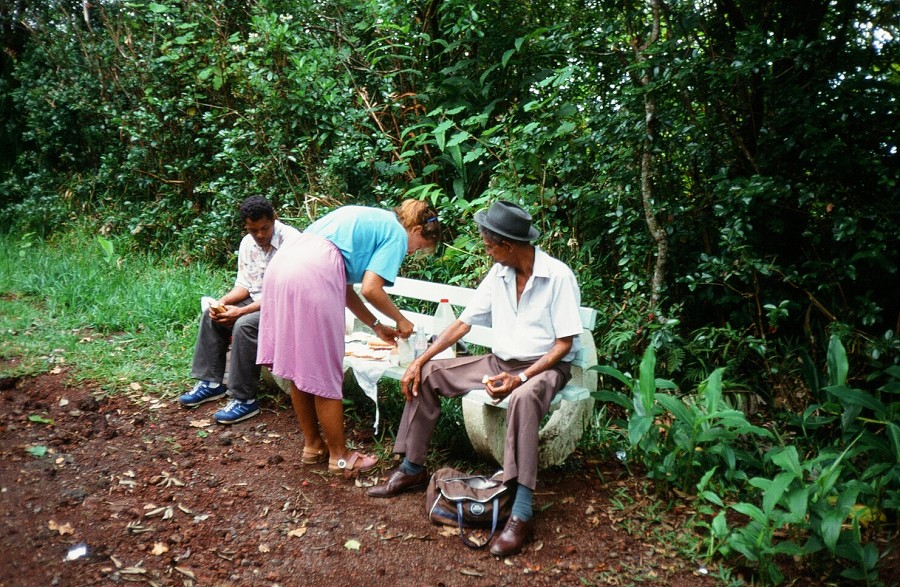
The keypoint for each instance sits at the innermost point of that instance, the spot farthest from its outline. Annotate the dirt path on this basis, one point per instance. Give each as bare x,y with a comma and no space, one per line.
163,496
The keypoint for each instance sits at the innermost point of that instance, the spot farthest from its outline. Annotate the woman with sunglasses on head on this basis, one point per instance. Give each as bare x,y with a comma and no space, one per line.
308,284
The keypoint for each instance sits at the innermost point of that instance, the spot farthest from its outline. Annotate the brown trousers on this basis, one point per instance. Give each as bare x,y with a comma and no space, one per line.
528,403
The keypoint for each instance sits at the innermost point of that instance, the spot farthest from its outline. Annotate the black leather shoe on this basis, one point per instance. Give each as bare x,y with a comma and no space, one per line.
397,483
513,538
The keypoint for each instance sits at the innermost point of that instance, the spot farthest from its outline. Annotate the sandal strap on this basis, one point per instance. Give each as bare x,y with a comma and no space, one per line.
348,463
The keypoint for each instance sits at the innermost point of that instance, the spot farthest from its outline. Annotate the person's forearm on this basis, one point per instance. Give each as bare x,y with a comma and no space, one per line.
560,349
381,302
237,294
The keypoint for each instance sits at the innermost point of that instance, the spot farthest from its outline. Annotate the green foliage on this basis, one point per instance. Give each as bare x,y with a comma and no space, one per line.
824,490
759,139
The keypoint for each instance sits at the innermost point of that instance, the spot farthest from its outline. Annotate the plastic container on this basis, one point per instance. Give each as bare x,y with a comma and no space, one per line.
420,343
443,318
405,350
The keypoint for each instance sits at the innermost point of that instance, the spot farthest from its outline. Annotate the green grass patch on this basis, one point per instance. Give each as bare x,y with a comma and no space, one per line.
122,319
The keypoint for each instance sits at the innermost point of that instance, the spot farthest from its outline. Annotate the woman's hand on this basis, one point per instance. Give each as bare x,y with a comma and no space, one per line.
405,328
386,333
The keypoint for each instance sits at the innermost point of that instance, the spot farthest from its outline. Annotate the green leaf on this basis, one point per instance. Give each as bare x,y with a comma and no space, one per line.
712,497
830,528
712,390
719,525
701,485
158,8
613,372
837,362
894,434
40,419
797,502
857,397
613,397
637,428
37,451
506,56
677,407
107,247
773,494
750,510
647,383
440,133
458,139
788,460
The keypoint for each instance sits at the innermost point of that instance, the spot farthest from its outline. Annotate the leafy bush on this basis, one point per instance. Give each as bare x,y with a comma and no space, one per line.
826,480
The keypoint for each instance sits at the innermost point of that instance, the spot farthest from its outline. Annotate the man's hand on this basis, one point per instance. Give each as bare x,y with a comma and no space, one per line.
226,317
501,385
409,383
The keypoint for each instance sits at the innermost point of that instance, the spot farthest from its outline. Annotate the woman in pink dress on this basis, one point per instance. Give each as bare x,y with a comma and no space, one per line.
308,283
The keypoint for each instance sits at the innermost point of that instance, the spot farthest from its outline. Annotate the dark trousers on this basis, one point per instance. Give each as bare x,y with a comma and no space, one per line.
528,403
211,349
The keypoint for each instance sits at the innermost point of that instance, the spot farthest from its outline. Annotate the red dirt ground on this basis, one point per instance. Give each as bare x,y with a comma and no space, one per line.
164,496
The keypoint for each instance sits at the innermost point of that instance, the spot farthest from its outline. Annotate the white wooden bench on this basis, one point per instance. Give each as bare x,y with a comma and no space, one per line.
485,422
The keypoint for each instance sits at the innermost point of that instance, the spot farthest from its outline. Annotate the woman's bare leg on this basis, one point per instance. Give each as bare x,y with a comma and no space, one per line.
305,410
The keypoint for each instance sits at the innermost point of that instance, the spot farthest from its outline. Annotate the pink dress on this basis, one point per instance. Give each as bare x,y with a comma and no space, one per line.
301,324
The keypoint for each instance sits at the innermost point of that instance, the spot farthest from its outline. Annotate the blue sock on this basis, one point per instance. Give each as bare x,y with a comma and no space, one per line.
410,468
522,506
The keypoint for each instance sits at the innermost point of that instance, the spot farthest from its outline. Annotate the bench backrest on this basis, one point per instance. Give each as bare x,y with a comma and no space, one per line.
460,297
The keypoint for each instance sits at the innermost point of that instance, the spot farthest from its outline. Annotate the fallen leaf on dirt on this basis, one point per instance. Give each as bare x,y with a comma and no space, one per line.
202,423
264,548
159,548
167,479
63,402
129,473
62,529
186,572
298,532
134,385
133,571
448,531
568,500
366,482
56,370
589,511
352,544
470,573
138,528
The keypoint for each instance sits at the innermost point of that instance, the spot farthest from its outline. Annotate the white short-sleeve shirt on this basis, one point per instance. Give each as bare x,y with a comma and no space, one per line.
548,309
253,259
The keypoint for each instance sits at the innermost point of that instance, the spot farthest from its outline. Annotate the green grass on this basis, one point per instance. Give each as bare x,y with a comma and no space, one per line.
121,319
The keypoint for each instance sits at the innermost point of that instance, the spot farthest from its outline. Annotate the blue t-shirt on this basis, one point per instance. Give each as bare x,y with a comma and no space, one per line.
369,239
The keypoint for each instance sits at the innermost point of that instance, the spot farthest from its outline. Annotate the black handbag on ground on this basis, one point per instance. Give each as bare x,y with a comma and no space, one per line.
458,499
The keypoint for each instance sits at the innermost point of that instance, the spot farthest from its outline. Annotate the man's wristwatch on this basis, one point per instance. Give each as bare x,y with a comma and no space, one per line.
376,323
523,378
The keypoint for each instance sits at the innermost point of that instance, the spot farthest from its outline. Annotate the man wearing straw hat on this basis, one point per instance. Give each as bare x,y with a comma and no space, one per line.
531,301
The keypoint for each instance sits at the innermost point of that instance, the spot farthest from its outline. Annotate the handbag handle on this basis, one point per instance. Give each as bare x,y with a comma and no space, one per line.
462,531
